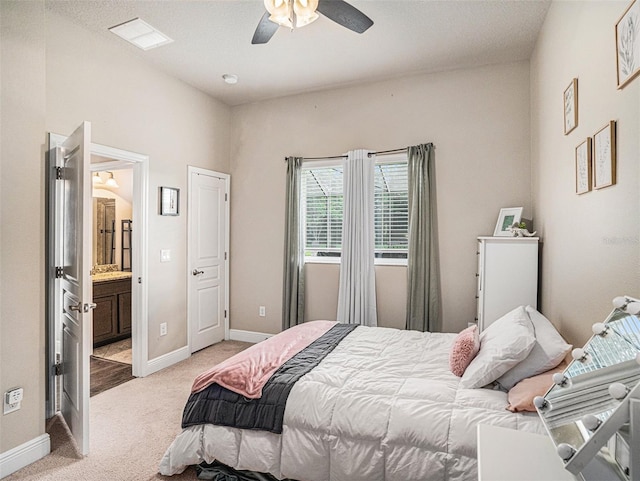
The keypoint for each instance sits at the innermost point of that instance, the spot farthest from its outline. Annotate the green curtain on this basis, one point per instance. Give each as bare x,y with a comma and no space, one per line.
423,279
293,288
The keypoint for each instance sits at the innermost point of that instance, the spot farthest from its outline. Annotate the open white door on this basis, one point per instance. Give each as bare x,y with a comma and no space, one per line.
208,247
73,286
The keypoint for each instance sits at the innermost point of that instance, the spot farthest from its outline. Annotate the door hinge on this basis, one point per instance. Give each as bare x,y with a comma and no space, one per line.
57,369
58,173
225,313
59,272
226,198
225,256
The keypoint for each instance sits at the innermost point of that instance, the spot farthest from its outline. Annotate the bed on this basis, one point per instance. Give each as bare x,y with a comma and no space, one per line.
383,405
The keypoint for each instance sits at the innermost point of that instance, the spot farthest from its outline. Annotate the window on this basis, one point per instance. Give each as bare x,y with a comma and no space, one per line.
322,207
322,211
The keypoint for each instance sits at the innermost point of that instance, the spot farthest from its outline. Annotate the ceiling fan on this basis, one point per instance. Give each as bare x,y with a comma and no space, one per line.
298,13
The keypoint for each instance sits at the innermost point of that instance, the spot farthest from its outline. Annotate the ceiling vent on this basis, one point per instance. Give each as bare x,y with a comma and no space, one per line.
141,34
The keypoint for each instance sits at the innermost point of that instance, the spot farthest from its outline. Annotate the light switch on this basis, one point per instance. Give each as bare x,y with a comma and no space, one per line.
165,255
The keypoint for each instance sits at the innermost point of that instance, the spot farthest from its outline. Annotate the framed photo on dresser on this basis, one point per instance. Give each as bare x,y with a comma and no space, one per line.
507,217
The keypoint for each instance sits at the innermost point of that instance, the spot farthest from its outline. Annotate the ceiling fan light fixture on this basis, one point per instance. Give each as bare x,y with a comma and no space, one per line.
292,13
279,12
305,12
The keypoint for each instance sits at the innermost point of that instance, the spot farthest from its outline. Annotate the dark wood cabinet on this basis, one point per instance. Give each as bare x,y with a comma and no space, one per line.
112,315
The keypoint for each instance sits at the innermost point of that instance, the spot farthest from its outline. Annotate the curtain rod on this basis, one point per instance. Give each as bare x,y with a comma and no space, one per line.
381,152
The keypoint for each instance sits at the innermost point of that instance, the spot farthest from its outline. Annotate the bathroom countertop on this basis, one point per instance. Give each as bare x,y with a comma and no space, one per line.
110,276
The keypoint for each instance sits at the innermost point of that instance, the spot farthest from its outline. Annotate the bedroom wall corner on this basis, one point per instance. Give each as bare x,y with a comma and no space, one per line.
22,263
591,250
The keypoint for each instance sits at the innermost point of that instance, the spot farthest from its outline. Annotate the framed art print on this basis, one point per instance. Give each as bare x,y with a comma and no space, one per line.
583,167
604,156
169,201
628,44
571,106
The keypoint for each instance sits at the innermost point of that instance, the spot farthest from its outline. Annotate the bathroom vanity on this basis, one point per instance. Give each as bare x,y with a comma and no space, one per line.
112,315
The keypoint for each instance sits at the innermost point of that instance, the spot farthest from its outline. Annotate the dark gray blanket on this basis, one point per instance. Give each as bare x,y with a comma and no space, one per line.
218,405
217,471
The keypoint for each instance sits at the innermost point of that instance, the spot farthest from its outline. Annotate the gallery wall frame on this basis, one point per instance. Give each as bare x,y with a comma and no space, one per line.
584,166
570,98
628,44
604,156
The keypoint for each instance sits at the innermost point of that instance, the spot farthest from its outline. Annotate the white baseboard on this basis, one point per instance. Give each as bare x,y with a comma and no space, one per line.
166,360
23,455
247,336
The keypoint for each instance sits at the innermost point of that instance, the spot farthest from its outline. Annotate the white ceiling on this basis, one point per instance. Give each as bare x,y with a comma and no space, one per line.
213,37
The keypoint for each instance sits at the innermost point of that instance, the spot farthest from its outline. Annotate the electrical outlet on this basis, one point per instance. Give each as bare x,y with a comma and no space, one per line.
163,329
262,311
12,399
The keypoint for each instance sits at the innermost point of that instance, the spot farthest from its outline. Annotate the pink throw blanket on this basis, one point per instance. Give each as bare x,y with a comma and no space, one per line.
248,371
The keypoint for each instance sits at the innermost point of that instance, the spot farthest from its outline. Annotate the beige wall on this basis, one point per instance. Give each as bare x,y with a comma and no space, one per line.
54,75
134,107
22,132
322,293
479,121
591,242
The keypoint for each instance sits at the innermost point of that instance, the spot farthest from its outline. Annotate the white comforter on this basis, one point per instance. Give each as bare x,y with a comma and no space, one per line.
383,406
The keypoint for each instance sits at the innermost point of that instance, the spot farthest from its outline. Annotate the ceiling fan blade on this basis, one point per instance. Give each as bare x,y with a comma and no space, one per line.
265,30
346,15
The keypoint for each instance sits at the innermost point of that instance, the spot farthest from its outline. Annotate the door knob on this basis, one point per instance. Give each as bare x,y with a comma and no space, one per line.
196,272
90,305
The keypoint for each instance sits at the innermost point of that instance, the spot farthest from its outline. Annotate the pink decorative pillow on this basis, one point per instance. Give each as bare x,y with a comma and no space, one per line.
465,347
521,395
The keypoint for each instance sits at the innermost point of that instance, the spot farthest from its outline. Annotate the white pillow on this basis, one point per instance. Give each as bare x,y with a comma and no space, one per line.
548,351
503,344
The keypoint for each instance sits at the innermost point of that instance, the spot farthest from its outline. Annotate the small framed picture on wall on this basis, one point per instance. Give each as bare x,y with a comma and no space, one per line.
604,156
583,167
571,106
169,201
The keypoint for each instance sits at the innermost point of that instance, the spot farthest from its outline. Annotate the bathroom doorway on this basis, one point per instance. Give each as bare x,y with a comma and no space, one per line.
111,275
109,160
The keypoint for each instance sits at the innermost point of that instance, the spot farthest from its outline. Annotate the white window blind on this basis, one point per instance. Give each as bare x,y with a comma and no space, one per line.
322,207
391,210
322,210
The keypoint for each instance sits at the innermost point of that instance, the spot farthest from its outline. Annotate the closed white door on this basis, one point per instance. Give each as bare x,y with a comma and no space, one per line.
208,242
73,287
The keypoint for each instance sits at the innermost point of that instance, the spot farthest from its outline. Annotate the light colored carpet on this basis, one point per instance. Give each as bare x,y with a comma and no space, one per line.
132,425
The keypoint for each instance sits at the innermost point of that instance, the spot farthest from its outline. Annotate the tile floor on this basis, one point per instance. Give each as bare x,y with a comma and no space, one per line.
118,351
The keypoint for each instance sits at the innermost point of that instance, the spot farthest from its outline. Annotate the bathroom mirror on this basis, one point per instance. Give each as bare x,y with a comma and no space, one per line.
583,410
104,232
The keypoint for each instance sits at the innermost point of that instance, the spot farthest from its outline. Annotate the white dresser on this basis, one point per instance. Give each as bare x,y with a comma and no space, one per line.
509,455
507,276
